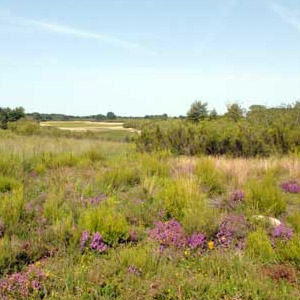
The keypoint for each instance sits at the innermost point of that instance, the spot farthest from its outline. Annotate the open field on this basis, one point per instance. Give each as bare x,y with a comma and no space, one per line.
88,219
88,126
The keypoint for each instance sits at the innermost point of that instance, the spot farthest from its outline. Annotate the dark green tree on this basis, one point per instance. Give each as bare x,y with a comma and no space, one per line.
111,116
198,111
10,115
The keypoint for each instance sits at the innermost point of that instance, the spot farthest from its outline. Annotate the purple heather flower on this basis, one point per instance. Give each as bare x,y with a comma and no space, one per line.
132,269
29,207
133,236
35,285
83,239
93,200
169,233
291,187
161,214
139,201
97,243
21,285
281,231
197,240
232,226
237,196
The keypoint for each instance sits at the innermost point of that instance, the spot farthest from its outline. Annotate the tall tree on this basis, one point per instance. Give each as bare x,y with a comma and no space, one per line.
234,111
198,111
111,116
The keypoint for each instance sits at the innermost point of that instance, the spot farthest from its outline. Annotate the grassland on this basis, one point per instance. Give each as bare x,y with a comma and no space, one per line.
93,219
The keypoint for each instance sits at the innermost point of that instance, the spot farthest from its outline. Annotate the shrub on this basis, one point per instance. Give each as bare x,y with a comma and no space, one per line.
59,160
153,164
25,127
107,221
120,177
200,216
294,221
12,209
265,196
7,184
10,165
209,176
176,194
258,246
290,251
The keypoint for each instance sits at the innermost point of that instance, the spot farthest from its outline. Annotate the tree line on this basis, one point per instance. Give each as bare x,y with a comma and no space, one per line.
260,131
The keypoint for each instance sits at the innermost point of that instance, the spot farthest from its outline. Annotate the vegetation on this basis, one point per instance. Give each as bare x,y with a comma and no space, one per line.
262,132
82,217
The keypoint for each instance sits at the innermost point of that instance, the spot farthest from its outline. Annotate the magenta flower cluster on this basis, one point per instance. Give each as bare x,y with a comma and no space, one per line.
197,240
132,269
282,231
225,235
93,241
93,200
171,234
291,187
237,196
233,227
22,285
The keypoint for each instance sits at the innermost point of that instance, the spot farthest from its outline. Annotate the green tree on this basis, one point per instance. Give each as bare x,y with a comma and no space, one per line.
198,111
234,111
111,116
10,115
213,114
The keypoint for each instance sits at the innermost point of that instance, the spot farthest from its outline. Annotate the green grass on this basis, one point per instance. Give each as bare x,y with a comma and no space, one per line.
54,188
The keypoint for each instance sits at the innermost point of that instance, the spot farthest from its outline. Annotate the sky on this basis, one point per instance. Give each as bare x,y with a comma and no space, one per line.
138,57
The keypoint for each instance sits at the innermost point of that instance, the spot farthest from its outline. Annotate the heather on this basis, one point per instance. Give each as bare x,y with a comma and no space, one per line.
83,218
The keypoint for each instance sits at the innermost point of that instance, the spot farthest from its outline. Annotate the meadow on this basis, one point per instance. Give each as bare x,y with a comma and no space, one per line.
84,217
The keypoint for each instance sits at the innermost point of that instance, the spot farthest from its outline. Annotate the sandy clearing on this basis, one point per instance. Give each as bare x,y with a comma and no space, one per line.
110,124
103,129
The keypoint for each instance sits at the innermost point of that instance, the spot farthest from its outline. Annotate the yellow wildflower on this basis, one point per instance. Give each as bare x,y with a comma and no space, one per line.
210,245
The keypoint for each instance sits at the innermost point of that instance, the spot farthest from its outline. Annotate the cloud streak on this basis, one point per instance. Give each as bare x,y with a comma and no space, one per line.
287,15
71,31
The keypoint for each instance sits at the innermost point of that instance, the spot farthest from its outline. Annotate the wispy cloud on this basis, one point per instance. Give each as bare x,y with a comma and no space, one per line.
227,9
287,15
71,31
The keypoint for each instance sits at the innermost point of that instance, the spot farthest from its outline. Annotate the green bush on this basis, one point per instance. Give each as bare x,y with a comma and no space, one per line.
7,184
120,177
290,251
106,220
25,127
12,209
258,246
265,196
175,195
9,249
261,133
210,177
294,221
59,160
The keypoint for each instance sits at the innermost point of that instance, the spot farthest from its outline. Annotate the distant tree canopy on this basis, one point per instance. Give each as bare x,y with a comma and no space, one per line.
111,116
234,112
198,111
163,116
262,132
10,115
213,114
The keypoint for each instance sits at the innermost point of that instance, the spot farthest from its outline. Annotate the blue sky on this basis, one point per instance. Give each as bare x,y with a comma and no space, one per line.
137,57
